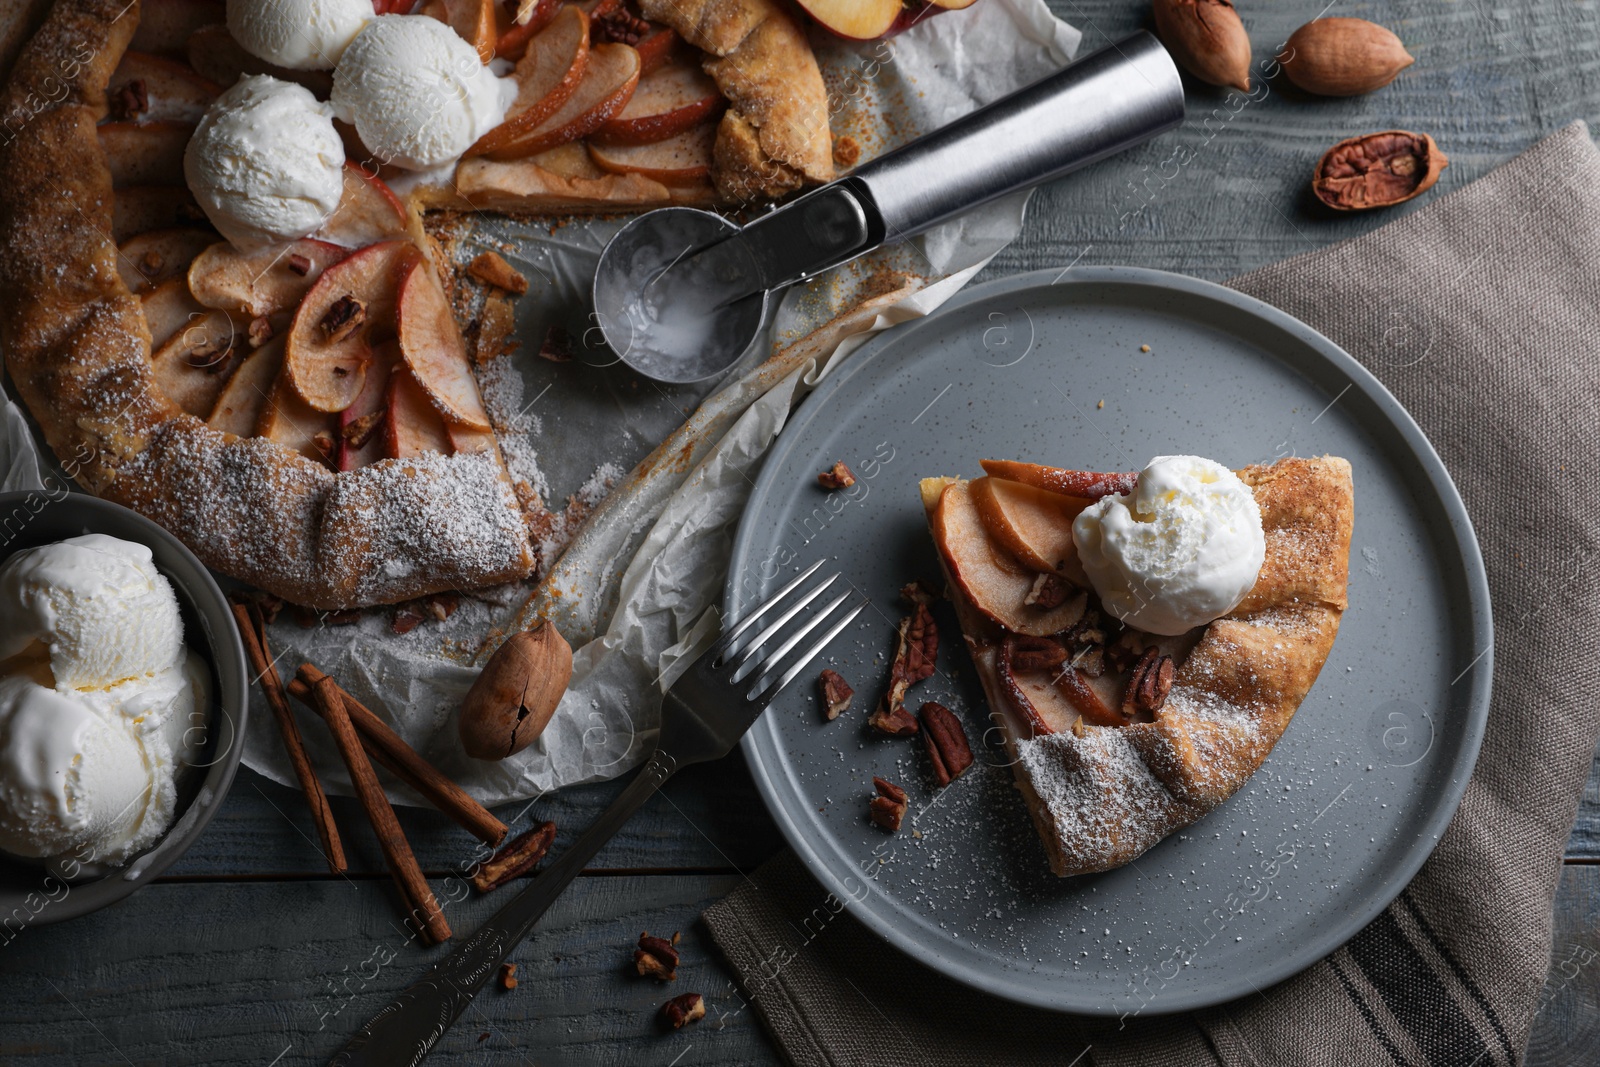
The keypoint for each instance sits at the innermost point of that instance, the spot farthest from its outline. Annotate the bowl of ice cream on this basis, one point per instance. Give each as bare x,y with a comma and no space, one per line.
123,694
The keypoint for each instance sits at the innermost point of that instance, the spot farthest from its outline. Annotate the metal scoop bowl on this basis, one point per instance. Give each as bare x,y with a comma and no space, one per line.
680,294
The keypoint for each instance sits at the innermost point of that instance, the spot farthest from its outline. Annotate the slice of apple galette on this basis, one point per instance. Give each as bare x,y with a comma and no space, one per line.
1143,639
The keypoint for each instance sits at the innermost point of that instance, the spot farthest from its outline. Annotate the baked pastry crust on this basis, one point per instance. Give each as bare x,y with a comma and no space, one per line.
1102,795
78,349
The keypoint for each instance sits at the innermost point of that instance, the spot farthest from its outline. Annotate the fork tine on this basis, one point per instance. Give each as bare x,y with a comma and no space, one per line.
747,654
765,662
759,695
726,641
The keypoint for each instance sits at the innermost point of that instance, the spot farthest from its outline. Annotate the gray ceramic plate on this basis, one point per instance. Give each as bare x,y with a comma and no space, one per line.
1350,802
29,894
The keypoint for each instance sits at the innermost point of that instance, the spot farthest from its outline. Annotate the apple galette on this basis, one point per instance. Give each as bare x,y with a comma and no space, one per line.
1142,639
221,296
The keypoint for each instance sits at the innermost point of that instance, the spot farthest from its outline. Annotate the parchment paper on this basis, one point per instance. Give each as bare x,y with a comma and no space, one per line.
635,591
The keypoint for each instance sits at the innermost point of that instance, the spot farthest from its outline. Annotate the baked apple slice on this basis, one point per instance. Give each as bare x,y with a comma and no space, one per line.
609,78
193,365
145,153
656,48
142,208
513,37
993,580
240,404
675,98
168,308
151,258
289,421
473,21
854,20
361,425
1031,524
368,212
351,306
213,52
413,426
266,282
432,346
1086,485
547,77
147,88
679,160
166,25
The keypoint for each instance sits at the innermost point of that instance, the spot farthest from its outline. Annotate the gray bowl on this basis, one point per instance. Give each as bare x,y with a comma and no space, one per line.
30,895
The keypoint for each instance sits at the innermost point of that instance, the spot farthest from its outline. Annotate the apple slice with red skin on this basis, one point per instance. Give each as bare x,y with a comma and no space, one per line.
1050,701
679,160
473,21
547,77
289,421
854,20
173,91
168,308
328,369
142,208
213,52
368,212
266,282
145,153
512,39
609,78
373,401
413,426
165,25
240,404
1085,485
151,258
656,48
993,581
192,367
675,98
432,346
1033,525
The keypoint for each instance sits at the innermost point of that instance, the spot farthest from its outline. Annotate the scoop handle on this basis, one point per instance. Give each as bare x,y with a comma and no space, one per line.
1111,100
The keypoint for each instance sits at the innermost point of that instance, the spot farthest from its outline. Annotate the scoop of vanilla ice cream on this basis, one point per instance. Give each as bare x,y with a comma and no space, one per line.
418,94
265,162
298,34
98,606
1179,551
72,782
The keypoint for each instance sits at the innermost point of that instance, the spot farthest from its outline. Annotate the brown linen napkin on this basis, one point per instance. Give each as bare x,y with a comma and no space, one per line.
1479,312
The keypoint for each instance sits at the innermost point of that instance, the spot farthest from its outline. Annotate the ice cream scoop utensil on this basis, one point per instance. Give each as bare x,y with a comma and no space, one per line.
680,298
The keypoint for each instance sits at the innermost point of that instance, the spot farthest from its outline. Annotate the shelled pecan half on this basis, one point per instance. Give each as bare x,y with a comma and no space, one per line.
946,741
889,806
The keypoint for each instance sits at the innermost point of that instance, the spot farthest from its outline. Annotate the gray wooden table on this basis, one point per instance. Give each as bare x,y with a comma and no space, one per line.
248,952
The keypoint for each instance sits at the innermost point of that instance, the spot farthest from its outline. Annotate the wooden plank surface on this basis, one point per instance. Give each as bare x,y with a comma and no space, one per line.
248,952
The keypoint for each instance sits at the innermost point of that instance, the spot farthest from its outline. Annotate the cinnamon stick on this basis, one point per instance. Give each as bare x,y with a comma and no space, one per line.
252,630
391,750
396,849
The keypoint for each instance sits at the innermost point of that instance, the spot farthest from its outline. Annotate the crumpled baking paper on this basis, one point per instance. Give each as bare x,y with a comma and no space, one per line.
637,589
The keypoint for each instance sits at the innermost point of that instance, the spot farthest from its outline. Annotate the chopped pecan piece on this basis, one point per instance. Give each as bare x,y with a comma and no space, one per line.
324,442
442,605
260,331
1125,651
492,268
619,25
508,976
656,957
208,353
129,100
343,318
837,476
1036,654
918,592
889,806
682,1010
914,658
1148,684
946,741
516,857
407,617
357,432
1091,661
557,347
301,265
1049,591
836,693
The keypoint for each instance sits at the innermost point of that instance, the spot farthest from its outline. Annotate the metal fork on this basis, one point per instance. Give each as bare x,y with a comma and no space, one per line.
703,715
